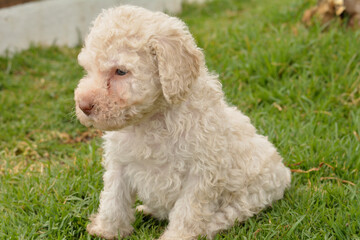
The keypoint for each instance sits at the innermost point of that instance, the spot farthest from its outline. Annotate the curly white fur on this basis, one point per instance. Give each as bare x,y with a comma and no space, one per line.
171,138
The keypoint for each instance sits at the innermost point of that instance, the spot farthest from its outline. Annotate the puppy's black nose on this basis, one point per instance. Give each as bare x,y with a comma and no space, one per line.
86,107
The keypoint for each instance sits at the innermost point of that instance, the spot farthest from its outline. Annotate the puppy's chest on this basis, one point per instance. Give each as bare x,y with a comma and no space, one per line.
157,186
154,166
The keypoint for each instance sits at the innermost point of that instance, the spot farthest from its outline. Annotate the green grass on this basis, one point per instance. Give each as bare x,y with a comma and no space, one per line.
300,86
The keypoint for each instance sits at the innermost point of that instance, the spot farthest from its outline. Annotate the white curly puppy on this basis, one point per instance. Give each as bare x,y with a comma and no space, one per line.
171,138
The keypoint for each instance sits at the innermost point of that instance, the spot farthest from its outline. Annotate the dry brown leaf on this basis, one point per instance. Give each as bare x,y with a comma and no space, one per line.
277,106
327,10
86,136
308,14
82,137
357,136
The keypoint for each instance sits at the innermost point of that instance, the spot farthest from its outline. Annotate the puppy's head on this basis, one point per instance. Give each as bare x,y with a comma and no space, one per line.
136,61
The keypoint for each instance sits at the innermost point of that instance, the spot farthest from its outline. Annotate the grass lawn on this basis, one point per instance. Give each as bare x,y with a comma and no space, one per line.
300,86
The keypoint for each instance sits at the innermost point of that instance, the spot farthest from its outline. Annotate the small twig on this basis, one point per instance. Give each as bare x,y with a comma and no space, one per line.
257,231
294,164
323,112
338,179
312,169
305,171
324,163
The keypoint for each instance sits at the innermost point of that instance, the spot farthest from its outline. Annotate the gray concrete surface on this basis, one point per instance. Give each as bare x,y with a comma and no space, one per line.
60,22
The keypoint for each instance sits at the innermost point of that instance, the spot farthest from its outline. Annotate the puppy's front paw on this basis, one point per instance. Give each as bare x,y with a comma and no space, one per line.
106,230
167,235
96,230
177,238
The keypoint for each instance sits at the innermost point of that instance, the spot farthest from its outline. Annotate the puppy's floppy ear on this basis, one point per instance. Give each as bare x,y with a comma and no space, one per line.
179,61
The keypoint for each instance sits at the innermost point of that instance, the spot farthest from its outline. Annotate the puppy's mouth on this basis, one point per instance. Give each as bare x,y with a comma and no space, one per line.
114,117
93,120
90,121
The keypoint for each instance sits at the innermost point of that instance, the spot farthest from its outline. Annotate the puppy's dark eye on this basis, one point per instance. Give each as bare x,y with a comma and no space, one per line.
120,72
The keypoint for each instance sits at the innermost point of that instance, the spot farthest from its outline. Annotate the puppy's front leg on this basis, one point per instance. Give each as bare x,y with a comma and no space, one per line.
115,213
